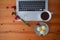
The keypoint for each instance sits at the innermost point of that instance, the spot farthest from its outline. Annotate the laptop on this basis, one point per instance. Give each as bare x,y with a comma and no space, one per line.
30,10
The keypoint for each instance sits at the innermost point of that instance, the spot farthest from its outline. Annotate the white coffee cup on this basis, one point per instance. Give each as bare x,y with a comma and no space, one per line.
49,14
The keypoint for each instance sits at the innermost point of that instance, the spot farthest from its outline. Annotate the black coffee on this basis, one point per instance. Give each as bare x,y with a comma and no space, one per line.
44,15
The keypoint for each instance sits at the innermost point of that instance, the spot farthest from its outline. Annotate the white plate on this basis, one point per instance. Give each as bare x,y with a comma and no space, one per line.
39,32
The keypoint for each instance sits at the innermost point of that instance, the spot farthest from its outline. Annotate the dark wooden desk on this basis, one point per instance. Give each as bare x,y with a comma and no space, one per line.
12,30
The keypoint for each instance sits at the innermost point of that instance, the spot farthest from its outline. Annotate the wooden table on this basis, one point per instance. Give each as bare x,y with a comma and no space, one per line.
12,30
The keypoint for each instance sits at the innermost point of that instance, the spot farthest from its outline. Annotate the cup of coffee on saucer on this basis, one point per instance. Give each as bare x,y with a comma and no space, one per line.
46,16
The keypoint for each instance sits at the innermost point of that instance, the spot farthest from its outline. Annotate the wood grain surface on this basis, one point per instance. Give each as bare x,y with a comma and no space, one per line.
13,30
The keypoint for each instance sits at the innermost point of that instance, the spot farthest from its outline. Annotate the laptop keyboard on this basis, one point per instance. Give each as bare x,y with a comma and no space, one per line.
31,5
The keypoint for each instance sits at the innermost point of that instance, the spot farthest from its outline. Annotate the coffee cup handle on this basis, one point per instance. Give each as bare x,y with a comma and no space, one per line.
49,11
